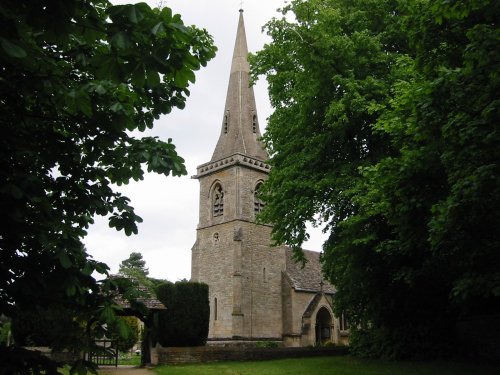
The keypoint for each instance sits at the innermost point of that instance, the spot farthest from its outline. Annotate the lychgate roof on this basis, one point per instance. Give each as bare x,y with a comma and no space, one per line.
145,297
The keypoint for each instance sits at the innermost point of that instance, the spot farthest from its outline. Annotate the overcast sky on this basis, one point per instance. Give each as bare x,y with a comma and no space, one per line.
169,205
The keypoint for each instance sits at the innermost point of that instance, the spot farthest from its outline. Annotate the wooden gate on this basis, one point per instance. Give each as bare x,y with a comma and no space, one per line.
105,353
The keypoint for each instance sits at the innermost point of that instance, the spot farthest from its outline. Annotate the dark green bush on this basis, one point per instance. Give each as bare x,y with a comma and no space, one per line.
185,322
51,326
266,344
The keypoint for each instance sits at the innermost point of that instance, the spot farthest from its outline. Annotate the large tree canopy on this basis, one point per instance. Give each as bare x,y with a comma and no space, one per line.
386,129
77,78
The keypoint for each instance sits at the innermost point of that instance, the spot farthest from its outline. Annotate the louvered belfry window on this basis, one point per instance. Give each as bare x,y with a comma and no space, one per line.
218,200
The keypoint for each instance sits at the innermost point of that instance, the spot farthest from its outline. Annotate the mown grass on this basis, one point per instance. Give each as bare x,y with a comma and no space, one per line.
129,359
344,365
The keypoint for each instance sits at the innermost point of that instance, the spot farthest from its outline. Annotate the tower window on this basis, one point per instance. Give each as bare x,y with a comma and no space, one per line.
264,274
218,200
258,203
254,123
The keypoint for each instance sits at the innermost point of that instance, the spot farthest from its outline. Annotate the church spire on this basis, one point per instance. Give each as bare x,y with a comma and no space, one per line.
240,131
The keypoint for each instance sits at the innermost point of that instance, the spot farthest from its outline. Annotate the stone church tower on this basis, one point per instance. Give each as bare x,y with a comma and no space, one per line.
256,292
231,253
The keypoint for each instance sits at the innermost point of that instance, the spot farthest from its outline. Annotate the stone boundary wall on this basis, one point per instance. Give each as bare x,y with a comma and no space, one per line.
199,354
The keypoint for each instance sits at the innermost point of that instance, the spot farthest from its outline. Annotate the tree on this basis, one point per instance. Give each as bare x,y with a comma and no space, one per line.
385,129
185,322
134,263
78,77
51,326
134,267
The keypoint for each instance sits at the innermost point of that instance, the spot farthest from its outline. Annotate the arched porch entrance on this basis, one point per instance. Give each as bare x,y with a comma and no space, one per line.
323,326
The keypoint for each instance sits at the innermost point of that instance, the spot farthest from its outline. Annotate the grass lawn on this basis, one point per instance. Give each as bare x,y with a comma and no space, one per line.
129,359
343,365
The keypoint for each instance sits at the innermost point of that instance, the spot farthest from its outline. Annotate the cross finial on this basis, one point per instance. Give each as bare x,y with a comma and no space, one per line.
241,6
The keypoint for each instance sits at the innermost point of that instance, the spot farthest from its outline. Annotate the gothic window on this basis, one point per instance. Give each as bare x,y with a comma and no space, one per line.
258,203
218,200
254,123
264,274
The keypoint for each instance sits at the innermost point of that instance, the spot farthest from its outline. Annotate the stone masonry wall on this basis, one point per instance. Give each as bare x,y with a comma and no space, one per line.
214,353
262,266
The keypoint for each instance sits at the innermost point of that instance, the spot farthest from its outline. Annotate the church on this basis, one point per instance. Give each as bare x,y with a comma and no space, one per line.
256,291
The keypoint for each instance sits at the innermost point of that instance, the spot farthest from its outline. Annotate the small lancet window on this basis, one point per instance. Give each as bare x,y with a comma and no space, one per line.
343,322
226,121
258,203
215,308
218,200
254,123
264,274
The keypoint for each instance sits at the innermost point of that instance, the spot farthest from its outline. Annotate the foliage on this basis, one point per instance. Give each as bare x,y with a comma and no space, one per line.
134,263
266,344
78,78
134,268
127,341
385,128
53,326
5,331
345,365
185,322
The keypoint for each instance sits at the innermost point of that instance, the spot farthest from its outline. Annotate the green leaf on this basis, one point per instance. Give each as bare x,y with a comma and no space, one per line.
87,269
71,290
121,40
158,28
134,14
139,76
12,49
153,78
65,260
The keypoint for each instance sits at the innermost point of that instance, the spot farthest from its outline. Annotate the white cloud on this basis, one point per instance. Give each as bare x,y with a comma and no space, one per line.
169,205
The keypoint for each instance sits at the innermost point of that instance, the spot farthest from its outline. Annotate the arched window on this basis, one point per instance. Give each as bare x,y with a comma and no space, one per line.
218,200
264,274
258,204
254,123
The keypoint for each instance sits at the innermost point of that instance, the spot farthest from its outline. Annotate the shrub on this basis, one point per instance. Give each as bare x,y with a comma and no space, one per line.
130,324
52,326
266,344
185,322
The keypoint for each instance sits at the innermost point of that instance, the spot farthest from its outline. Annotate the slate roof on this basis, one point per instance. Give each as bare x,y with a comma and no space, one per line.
151,302
309,278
